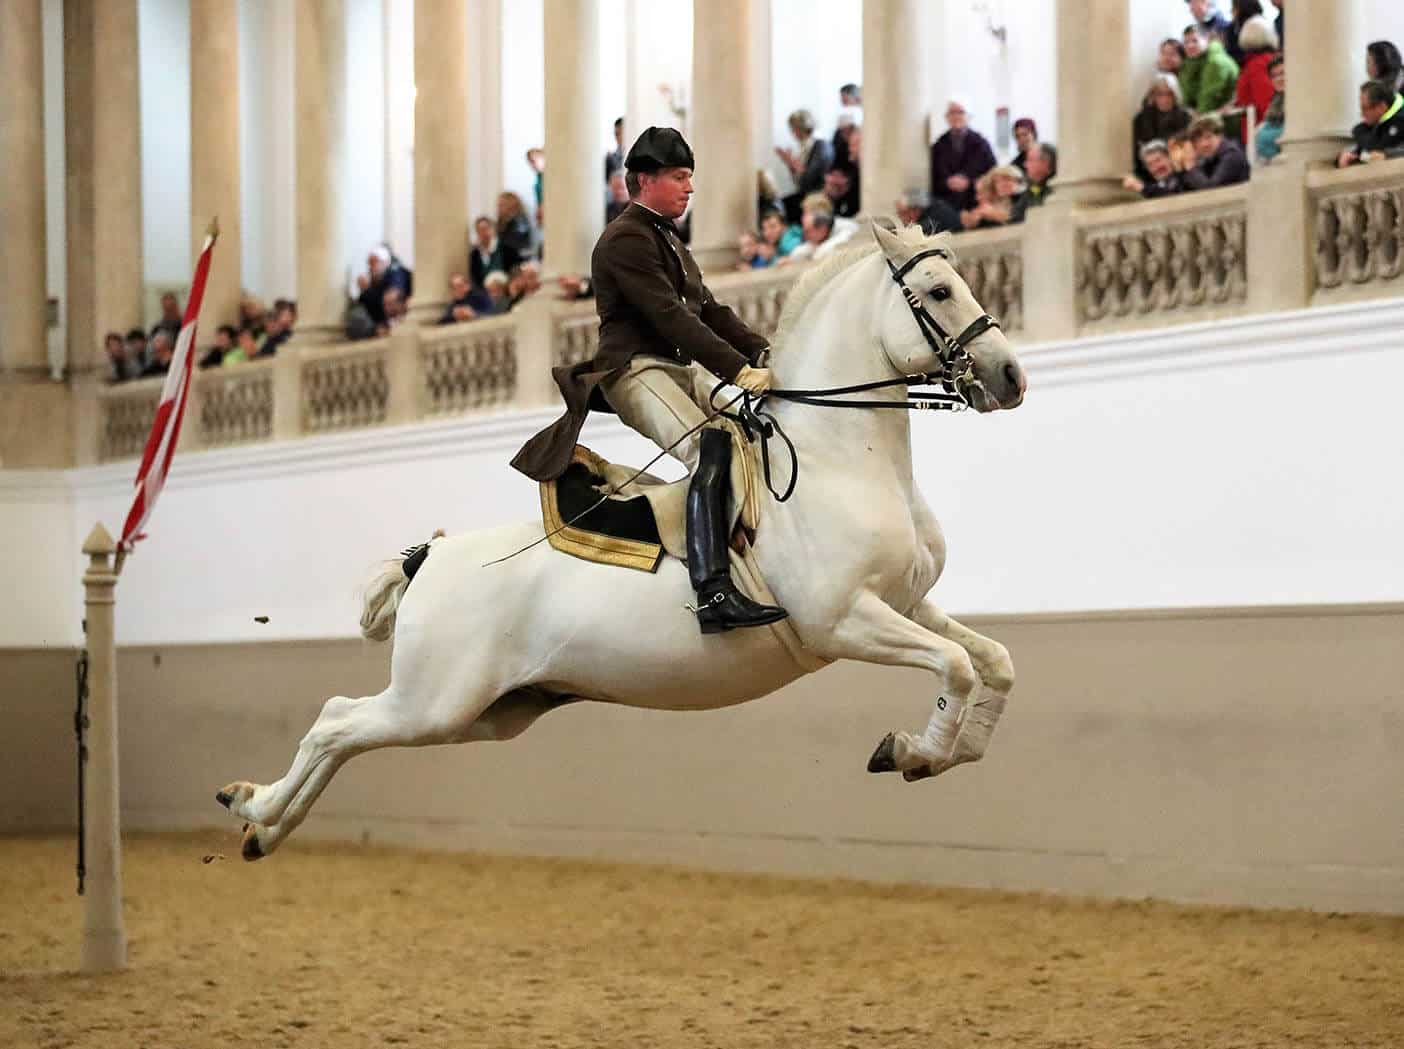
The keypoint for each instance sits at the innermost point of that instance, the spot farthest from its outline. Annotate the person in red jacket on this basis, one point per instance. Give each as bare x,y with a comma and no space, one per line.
1259,42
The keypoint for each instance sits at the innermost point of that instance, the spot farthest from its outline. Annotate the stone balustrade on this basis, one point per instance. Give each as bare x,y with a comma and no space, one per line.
1134,265
1358,236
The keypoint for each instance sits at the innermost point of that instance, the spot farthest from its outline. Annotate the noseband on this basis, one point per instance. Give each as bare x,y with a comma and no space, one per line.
956,375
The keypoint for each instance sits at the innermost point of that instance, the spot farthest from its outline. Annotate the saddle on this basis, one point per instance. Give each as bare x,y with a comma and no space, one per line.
641,520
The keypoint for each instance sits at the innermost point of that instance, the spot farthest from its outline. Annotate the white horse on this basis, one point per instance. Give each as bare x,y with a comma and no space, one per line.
481,650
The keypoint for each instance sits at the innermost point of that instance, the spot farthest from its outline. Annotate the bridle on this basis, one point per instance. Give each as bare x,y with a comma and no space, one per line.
956,377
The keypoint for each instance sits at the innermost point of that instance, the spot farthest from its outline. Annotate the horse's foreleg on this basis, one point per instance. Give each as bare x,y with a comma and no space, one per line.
874,632
996,670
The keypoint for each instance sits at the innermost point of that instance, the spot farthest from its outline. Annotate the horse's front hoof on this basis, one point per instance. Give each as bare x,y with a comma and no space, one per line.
919,773
884,759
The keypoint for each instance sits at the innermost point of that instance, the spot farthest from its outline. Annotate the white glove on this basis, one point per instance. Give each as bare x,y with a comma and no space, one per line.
754,380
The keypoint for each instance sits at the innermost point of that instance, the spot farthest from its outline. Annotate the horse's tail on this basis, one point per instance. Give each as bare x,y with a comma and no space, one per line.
387,589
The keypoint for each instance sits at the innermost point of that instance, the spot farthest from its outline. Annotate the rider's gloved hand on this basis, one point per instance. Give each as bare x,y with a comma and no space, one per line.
754,380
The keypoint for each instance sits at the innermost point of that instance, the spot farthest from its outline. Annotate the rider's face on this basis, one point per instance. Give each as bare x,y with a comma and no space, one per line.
667,192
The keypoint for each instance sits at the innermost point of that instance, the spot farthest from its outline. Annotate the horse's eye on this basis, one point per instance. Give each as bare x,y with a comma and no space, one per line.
940,293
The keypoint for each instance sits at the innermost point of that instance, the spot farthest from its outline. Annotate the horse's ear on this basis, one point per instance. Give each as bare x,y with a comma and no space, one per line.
891,244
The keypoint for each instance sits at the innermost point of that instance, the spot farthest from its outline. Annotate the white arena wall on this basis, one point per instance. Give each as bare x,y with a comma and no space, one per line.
1190,539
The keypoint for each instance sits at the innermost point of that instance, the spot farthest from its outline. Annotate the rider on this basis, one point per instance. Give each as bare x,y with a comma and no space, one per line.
656,319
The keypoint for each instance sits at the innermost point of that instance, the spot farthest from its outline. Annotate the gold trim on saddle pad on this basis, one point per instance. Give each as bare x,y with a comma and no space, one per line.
594,546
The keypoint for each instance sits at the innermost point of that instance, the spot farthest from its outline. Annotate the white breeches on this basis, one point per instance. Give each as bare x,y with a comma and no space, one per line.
663,400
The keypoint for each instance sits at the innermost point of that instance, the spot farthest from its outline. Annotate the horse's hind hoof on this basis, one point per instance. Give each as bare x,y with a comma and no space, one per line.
919,773
252,850
884,759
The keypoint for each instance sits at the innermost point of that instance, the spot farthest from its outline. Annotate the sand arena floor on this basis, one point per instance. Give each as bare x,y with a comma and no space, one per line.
345,947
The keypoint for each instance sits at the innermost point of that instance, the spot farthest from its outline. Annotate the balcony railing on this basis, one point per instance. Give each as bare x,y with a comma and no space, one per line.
1139,265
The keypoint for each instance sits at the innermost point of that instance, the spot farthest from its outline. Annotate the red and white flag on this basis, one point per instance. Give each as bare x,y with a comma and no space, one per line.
160,446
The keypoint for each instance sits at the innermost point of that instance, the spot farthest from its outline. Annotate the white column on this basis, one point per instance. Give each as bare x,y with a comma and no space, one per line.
573,203
484,107
102,131
897,39
23,241
214,152
723,130
759,34
320,130
1094,81
1324,73
440,147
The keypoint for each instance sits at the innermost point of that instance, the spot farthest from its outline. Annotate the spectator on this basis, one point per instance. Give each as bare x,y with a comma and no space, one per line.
840,186
1162,114
1209,19
513,230
1038,170
373,284
396,310
767,196
1243,10
1164,180
162,350
397,274
1026,137
850,116
995,195
618,196
1258,40
809,164
823,231
524,281
958,158
245,348
170,317
1221,162
116,349
1209,76
495,284
466,302
1172,56
784,239
484,254
1275,119
136,352
1383,63
536,160
755,253
252,314
284,317
224,338
1380,133
917,208
614,159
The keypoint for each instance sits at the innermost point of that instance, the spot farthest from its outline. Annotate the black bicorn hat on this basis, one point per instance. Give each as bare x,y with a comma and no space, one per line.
658,148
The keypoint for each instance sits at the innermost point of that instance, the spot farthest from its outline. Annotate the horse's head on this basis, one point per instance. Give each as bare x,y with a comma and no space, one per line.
925,267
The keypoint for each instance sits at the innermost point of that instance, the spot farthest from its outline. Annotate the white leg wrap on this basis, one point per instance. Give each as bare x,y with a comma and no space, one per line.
941,730
981,716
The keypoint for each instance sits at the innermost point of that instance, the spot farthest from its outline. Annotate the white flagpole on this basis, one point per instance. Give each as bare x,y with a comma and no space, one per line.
104,937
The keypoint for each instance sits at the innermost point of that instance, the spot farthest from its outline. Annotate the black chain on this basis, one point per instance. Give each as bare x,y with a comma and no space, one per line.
80,732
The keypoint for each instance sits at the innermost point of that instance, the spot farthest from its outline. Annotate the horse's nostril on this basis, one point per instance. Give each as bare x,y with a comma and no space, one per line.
1015,377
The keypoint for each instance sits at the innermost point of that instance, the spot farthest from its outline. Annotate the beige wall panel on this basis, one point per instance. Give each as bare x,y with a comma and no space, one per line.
1241,759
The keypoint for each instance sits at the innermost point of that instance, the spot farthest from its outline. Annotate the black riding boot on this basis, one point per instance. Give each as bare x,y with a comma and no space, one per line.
720,606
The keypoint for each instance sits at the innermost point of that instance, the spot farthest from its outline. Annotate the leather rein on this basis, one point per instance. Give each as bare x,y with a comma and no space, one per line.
956,378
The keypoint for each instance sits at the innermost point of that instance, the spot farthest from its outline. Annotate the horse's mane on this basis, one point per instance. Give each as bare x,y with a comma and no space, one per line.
818,276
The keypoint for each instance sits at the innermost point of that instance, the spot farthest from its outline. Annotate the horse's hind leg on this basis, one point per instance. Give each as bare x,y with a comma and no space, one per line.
265,804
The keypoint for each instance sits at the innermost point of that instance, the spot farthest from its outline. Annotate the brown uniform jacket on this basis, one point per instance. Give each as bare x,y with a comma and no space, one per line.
651,299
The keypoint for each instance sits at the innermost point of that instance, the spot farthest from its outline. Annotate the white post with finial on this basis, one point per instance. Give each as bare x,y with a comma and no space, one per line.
104,938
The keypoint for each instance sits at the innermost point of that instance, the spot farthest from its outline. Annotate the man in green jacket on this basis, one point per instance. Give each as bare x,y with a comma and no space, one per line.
1208,77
